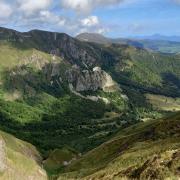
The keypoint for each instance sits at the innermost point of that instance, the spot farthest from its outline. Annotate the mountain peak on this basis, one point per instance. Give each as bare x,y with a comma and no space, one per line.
93,37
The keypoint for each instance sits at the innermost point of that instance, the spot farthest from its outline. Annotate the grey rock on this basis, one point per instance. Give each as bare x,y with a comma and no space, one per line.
90,80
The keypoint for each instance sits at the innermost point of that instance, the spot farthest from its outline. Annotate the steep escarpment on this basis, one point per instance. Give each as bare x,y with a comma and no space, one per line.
91,80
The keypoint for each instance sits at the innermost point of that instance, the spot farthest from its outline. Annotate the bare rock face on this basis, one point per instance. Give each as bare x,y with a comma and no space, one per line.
87,80
52,69
77,55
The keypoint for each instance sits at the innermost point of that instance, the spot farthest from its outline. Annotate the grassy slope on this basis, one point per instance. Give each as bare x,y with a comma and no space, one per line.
21,159
58,158
130,148
146,71
10,56
164,103
151,66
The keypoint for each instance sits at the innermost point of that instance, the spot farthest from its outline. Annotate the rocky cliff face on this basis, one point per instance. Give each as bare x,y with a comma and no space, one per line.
28,81
74,51
87,80
37,71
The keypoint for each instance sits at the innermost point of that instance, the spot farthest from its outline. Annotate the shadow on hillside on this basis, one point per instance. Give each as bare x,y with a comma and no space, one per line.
171,83
171,79
30,81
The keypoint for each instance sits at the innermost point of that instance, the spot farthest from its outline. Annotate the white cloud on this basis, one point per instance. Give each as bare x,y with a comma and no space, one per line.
77,5
5,10
85,6
90,21
102,30
91,24
29,7
44,19
99,30
51,18
37,14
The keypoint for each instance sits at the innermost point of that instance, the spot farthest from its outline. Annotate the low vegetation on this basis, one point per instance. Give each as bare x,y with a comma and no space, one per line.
164,103
143,151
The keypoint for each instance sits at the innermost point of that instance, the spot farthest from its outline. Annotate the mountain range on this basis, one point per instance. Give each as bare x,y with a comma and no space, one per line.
87,108
164,44
159,37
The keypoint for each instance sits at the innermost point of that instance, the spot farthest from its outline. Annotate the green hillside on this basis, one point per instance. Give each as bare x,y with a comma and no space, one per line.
144,151
147,71
19,159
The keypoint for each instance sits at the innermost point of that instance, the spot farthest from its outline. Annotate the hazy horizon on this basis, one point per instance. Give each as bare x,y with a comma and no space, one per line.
130,36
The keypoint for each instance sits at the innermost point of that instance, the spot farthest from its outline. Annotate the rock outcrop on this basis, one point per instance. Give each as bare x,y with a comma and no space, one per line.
91,80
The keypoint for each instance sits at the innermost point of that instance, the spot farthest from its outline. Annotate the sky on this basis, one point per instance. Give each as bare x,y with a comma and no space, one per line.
113,18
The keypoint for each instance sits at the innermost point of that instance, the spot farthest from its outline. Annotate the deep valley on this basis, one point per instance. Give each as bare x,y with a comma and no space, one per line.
87,110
